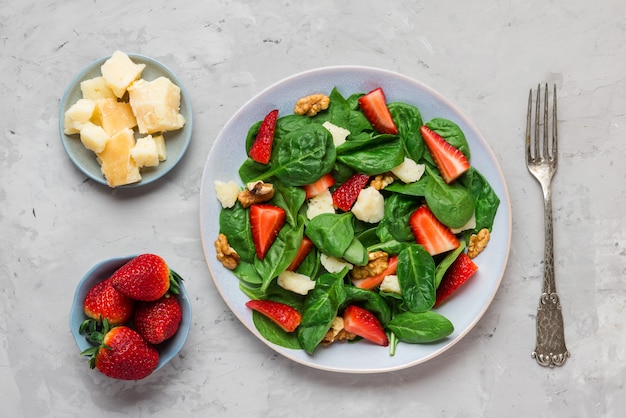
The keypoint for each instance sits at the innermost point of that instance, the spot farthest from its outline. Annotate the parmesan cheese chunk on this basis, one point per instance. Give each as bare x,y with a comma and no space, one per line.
391,284
93,137
156,105
295,282
334,264
116,163
78,115
369,205
338,133
322,203
226,193
113,116
409,171
96,88
159,140
145,152
119,72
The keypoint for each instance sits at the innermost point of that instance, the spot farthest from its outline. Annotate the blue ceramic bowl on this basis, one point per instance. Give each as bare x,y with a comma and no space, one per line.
103,270
177,141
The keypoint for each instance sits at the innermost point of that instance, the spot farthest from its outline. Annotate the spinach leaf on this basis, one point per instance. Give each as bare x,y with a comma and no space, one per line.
331,233
235,224
280,254
251,136
391,247
451,132
485,199
250,171
452,203
246,272
398,209
273,333
446,262
420,327
356,253
289,198
320,308
416,189
416,275
304,156
339,109
371,155
408,119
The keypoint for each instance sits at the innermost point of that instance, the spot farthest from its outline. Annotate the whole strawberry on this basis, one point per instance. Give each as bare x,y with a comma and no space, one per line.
159,320
122,353
146,277
103,301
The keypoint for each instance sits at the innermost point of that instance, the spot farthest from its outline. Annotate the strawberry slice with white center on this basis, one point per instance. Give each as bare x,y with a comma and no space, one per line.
265,222
429,232
345,195
285,316
261,149
363,323
449,160
457,274
374,107
320,186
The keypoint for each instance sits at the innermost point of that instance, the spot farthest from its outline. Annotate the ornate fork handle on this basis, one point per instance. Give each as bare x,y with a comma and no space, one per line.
550,349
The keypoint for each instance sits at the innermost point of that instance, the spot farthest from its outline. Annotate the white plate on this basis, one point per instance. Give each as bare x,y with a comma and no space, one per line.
227,154
175,141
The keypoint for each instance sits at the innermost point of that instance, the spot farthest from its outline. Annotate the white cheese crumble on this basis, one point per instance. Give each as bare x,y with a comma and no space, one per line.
409,171
226,193
369,206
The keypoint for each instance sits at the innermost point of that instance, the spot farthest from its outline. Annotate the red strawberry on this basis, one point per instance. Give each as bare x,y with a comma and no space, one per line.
373,281
374,106
449,160
146,277
285,316
345,195
320,186
435,237
364,324
121,353
265,223
462,269
261,149
103,301
305,248
159,320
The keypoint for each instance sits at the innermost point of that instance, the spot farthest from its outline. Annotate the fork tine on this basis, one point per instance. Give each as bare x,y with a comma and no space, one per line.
555,142
528,123
537,109
546,138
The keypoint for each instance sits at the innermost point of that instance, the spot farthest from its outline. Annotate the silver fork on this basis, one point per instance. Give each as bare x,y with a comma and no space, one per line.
541,160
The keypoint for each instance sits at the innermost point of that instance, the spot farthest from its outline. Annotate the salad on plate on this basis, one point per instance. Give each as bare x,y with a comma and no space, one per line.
353,219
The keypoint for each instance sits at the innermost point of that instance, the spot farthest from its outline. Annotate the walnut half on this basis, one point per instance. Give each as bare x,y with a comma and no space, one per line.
258,192
378,262
478,242
337,332
225,253
311,105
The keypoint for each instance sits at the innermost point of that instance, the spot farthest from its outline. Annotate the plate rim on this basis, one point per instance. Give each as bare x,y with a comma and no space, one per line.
504,210
185,100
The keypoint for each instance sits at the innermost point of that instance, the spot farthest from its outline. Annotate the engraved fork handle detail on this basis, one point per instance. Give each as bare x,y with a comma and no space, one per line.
550,349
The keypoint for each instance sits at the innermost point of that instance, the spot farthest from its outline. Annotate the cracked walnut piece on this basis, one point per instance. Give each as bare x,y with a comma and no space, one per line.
478,242
311,105
378,262
225,253
381,181
258,192
337,332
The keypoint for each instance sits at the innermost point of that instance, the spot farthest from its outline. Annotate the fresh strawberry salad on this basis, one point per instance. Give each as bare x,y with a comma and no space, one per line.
356,219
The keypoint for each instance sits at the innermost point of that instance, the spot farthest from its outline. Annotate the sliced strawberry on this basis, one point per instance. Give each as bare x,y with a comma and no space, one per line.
305,248
435,237
261,149
345,195
374,281
462,269
374,107
364,324
320,186
285,316
449,160
265,223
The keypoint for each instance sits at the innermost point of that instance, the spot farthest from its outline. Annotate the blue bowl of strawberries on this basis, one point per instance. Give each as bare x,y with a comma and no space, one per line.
130,316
